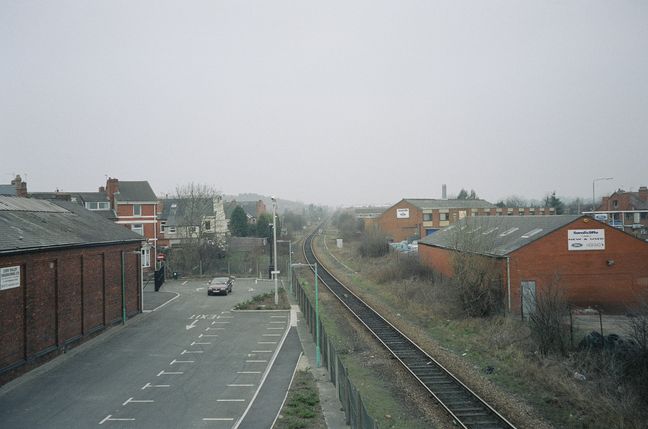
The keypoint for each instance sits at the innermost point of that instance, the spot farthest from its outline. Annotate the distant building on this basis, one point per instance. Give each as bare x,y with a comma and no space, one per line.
596,265
66,274
184,219
17,188
253,209
625,210
414,218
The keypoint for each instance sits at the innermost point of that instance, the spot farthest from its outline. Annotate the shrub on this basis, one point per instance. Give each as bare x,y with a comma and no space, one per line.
547,321
478,284
374,245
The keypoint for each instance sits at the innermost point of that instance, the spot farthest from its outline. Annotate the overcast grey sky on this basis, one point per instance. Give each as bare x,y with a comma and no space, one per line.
335,102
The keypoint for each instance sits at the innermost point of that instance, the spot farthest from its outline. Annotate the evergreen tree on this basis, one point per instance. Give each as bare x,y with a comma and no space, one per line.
463,194
238,223
555,202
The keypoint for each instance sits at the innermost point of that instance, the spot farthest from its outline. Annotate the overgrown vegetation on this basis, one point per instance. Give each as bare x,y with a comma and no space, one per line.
302,408
374,244
548,321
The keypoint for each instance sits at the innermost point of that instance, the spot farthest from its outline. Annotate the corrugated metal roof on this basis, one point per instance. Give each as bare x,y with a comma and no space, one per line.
61,224
136,192
448,204
7,189
496,235
28,205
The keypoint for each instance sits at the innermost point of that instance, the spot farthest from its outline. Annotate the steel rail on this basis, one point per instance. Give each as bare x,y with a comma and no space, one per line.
464,406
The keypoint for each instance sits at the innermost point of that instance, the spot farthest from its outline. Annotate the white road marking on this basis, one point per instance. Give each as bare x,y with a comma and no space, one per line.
266,342
198,289
293,315
218,419
163,372
162,305
147,385
225,317
240,385
230,400
271,335
276,329
215,322
131,400
207,335
278,317
256,361
193,325
248,372
108,418
190,351
185,282
262,351
214,329
200,344
279,322
181,361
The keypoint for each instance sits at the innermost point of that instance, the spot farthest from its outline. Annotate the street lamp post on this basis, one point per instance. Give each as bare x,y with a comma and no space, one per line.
274,234
318,359
593,192
289,261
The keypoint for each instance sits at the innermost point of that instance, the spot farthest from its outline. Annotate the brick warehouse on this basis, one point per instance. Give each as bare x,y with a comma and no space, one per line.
597,265
62,272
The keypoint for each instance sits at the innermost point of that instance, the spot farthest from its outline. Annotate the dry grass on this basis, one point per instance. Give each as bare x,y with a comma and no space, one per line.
496,354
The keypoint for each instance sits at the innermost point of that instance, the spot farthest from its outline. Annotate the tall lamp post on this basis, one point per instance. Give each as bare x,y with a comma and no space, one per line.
275,272
593,192
289,260
318,359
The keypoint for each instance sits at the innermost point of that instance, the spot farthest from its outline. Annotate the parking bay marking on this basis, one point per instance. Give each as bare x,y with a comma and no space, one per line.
147,385
240,385
218,419
140,401
200,344
248,372
191,351
181,361
163,372
207,335
110,419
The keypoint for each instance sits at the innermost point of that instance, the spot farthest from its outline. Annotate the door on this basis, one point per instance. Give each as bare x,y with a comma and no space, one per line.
528,298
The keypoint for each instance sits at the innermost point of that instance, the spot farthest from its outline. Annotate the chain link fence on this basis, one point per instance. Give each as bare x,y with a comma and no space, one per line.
356,413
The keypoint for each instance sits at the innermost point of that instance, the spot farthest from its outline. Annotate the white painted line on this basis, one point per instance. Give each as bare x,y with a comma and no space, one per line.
256,361
271,335
240,385
276,329
225,317
160,306
185,282
217,321
147,385
218,419
230,400
266,342
279,317
191,351
207,335
131,400
109,419
163,372
200,344
293,315
262,351
214,329
181,361
248,372
193,325
279,322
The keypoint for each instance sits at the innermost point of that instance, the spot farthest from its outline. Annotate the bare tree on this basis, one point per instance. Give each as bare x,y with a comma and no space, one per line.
548,319
200,226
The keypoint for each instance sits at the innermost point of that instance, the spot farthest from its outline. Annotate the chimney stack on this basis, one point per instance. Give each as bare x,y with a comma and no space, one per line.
21,187
444,193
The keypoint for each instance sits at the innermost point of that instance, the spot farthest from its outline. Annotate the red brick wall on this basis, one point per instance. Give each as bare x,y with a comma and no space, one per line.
400,229
65,295
585,275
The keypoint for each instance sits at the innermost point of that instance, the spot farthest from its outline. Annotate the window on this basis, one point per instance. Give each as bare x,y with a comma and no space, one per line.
146,258
137,210
615,203
170,229
162,226
94,205
443,216
208,225
138,228
427,217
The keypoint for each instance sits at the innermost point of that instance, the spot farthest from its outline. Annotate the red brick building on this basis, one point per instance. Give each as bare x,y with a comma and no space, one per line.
413,218
66,274
136,207
625,210
595,264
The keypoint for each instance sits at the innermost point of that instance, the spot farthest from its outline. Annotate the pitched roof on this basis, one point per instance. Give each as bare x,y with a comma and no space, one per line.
186,211
139,191
30,225
424,204
496,235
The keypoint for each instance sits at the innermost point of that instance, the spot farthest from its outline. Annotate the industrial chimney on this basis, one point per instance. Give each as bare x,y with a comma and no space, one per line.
444,194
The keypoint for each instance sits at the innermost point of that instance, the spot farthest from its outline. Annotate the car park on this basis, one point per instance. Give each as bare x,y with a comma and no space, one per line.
220,286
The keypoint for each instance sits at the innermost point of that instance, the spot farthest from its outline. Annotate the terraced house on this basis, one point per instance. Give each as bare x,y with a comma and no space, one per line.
135,205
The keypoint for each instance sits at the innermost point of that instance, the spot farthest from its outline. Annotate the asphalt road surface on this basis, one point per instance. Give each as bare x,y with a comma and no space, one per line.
191,362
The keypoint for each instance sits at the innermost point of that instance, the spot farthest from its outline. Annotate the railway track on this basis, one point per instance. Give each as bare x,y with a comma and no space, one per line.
464,405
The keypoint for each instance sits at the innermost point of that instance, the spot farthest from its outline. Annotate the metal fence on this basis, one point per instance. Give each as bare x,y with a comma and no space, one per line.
356,413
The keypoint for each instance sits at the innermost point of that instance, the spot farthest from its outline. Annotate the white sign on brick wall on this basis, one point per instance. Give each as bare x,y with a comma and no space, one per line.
402,213
586,239
9,277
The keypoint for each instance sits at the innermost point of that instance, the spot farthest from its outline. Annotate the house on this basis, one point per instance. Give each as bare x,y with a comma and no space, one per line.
413,218
369,215
66,274
595,264
625,210
95,201
17,188
135,205
198,218
252,209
